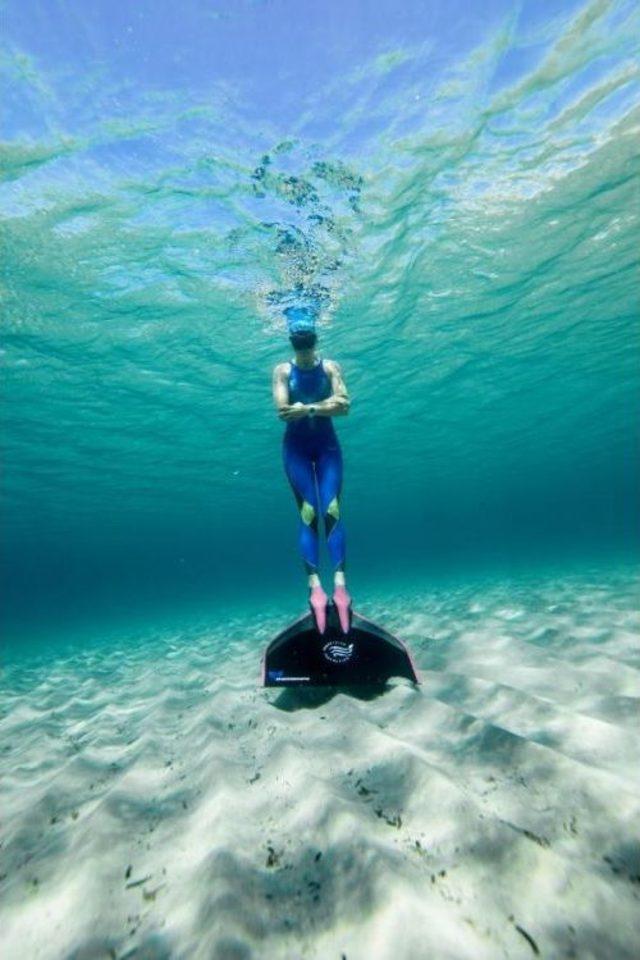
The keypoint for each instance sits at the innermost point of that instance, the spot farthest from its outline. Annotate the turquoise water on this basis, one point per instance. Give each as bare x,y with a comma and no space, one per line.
457,186
460,191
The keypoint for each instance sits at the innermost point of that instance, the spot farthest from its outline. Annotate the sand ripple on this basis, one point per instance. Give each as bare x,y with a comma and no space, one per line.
158,804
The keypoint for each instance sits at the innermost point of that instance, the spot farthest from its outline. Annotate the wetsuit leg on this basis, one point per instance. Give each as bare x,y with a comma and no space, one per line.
298,465
329,474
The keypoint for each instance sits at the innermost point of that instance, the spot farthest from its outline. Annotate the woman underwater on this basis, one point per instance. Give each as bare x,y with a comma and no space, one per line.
308,392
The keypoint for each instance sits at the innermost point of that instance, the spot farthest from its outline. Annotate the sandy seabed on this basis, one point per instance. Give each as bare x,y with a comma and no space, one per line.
157,803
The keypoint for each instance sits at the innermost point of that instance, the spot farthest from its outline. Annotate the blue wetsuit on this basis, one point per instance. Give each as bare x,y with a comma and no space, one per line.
313,464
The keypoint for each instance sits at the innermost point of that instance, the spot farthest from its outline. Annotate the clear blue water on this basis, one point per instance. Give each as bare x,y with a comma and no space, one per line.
458,187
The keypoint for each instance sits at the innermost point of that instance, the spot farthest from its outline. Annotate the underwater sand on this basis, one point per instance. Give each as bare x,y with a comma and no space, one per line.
157,803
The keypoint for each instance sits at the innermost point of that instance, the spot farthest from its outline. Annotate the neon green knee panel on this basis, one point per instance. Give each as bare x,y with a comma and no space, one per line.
334,509
307,513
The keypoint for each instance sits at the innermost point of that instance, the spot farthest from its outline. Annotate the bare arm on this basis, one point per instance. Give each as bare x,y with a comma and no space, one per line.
281,387
337,405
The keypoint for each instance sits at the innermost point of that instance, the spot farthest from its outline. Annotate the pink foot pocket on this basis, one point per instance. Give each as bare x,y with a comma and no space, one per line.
318,601
342,601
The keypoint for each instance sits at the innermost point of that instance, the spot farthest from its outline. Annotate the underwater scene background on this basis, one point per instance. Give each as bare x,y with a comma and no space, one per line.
455,186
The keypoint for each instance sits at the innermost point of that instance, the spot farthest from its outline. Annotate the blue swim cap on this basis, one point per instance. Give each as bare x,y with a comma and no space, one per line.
301,319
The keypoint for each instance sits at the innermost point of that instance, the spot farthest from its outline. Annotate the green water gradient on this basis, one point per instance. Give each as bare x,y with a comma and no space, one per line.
474,245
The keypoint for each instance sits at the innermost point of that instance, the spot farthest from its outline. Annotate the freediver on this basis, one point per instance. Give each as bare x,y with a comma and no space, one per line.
308,391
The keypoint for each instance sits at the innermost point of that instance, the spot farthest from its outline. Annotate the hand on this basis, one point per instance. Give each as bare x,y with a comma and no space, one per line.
293,411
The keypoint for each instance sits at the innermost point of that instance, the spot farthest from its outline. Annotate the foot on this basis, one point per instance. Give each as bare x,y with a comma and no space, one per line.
342,602
318,601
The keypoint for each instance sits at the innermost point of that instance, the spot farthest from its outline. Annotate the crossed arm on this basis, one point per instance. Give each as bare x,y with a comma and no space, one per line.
337,405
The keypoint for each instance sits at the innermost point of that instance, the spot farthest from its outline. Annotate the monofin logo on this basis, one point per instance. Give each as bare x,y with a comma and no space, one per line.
337,652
